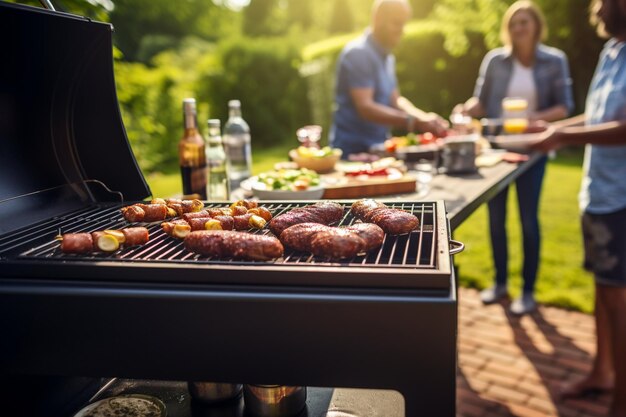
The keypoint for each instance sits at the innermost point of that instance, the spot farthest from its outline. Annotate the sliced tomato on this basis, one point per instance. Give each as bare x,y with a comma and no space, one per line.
390,145
428,138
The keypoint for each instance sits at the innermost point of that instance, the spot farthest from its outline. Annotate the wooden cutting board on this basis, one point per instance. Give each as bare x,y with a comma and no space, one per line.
370,187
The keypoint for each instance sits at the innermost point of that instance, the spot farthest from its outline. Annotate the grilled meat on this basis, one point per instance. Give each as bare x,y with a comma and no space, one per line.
200,223
77,243
392,221
325,212
231,244
299,236
337,243
333,242
372,234
145,212
176,228
103,241
134,236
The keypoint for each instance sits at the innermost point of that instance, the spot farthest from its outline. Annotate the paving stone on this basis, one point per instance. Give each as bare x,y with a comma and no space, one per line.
514,367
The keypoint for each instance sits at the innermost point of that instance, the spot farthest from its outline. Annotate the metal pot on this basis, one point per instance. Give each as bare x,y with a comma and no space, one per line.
213,392
458,154
274,400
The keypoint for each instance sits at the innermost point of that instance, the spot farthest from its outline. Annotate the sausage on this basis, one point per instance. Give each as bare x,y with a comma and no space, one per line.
262,212
191,206
133,213
325,212
372,234
135,236
230,244
299,236
154,212
392,221
225,222
176,228
188,216
333,242
103,241
337,243
77,243
239,210
145,212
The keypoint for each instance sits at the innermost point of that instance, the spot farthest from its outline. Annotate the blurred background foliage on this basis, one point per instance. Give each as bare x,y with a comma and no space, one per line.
278,57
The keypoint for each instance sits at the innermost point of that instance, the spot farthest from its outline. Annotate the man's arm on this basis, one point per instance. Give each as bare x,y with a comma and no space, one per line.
368,109
425,122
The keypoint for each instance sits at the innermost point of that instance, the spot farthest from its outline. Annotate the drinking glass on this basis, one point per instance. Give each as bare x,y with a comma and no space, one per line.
310,136
514,114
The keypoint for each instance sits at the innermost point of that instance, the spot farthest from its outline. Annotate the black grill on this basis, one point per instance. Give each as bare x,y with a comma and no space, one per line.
386,320
415,250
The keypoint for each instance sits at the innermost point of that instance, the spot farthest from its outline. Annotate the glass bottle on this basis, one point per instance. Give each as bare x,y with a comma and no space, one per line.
191,154
217,171
237,145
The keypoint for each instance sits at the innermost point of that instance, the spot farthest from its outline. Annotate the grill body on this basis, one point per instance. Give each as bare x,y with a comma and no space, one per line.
385,320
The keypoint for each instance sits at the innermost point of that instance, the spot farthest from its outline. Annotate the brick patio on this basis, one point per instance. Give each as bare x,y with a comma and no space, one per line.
513,367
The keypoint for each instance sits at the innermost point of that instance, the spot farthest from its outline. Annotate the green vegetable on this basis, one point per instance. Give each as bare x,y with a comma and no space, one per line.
285,179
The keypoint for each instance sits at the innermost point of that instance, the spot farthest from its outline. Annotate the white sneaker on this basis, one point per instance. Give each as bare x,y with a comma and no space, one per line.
493,294
524,305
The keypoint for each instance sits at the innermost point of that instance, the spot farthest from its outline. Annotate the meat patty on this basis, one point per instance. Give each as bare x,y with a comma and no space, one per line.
231,244
392,221
324,212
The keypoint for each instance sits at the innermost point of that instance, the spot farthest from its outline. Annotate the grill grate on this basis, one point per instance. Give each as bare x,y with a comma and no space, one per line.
415,250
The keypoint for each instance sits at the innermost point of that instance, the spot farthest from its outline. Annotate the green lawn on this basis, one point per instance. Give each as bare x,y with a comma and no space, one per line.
562,281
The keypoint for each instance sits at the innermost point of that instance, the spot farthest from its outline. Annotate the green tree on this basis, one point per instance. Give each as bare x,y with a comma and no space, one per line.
96,9
341,19
166,20
299,12
264,18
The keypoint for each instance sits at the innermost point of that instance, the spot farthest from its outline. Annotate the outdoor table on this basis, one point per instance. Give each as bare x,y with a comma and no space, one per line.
464,193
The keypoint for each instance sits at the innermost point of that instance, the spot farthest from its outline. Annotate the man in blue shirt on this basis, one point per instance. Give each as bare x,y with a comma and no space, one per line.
367,99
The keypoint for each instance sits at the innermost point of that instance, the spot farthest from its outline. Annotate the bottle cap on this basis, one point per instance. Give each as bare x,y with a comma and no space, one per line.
189,105
214,123
234,103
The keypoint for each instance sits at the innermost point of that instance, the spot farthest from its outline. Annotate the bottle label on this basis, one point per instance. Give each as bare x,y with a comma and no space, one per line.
194,181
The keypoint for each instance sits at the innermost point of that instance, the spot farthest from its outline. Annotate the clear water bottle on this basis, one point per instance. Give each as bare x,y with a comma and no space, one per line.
217,171
237,145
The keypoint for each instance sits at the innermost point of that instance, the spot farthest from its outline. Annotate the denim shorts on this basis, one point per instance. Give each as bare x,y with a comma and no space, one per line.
604,238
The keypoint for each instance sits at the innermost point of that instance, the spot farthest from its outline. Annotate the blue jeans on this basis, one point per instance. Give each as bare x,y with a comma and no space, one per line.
528,191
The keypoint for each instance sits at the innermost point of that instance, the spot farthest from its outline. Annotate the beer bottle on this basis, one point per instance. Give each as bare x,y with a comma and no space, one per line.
191,154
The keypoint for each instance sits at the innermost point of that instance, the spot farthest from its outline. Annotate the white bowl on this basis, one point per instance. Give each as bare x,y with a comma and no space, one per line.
311,193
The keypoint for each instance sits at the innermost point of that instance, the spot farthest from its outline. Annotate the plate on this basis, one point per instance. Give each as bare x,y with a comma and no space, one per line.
519,142
259,191
141,405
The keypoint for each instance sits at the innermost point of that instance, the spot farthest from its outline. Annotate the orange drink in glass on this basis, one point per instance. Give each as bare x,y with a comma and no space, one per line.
514,114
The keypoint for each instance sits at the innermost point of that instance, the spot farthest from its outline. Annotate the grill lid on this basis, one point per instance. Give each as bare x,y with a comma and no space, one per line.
59,118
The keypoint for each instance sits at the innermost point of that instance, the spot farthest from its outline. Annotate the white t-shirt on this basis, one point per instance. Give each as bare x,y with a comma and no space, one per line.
522,85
